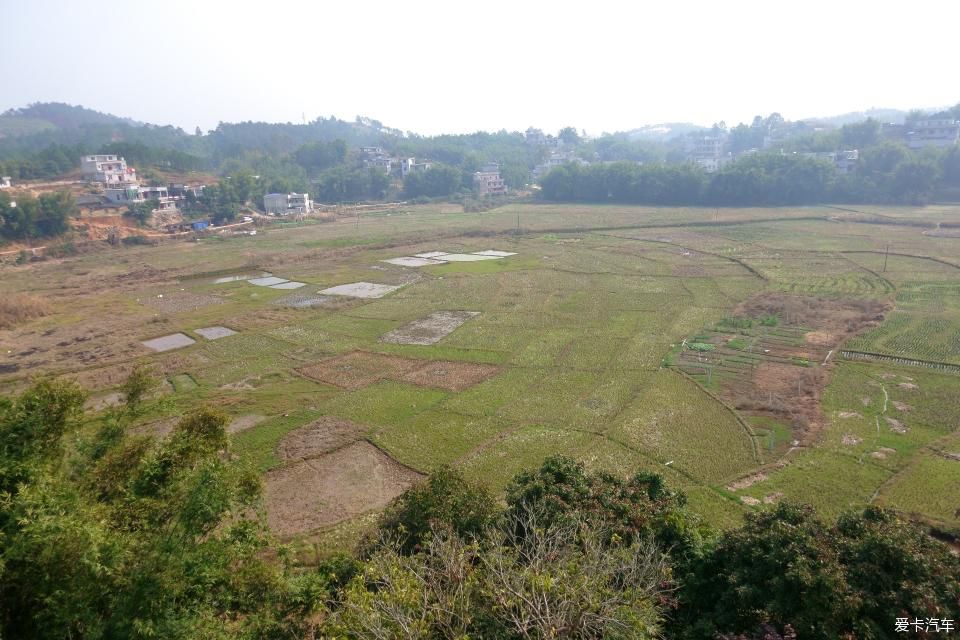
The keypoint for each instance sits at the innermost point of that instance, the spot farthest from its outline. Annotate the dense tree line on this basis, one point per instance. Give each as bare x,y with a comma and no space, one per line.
107,534
887,172
29,217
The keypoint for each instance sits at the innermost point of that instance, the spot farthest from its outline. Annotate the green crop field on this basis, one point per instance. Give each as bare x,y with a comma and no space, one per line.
575,348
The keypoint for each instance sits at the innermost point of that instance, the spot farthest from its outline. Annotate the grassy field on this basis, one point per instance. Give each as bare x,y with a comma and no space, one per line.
573,334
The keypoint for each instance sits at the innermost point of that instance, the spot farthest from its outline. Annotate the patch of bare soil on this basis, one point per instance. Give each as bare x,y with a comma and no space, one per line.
790,390
839,317
452,376
749,481
430,329
180,301
909,386
99,403
787,391
321,436
900,406
849,414
322,491
851,440
243,423
358,369
157,428
895,425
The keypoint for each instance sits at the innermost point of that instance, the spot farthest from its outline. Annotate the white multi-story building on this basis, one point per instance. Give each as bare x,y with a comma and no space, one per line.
109,169
410,165
708,151
5,182
942,132
488,181
842,161
282,204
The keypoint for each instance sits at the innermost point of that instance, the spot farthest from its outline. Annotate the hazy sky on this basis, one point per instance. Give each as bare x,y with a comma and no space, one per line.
461,66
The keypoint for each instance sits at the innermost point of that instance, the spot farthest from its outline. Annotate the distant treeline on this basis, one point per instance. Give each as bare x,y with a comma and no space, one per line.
887,172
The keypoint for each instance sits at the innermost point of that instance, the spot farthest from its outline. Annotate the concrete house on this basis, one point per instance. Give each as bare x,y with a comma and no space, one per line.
488,182
942,132
5,182
410,165
282,204
109,169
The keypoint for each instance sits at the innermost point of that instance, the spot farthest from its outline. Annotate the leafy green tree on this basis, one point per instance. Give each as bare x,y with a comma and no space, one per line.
142,211
569,136
859,135
105,535
786,567
913,181
440,180
445,500
639,508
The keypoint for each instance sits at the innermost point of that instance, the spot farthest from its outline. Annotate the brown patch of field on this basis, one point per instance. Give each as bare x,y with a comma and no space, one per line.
18,308
452,376
786,372
358,369
325,490
839,317
158,428
243,423
321,436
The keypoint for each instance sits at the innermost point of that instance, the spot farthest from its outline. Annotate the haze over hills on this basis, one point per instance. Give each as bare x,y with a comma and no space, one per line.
45,117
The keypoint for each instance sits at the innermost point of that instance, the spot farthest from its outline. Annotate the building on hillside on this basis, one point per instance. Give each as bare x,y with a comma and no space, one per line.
162,196
134,194
554,160
488,182
942,132
709,151
123,195
181,190
410,165
282,204
5,182
842,161
376,158
109,169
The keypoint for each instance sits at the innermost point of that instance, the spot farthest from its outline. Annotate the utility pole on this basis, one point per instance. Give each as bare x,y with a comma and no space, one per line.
885,256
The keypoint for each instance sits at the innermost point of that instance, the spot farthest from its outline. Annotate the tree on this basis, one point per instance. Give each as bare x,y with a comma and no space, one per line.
106,535
440,180
860,135
786,567
569,136
142,211
627,510
913,181
444,500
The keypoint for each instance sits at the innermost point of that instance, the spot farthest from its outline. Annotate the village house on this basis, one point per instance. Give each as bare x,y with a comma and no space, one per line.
5,182
708,151
282,204
135,194
109,169
842,161
554,160
376,158
942,132
410,165
488,182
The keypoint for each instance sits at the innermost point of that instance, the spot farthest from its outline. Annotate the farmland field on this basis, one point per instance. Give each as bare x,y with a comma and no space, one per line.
706,345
